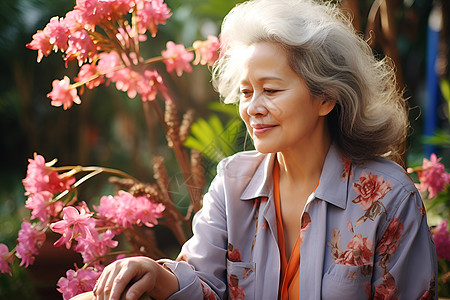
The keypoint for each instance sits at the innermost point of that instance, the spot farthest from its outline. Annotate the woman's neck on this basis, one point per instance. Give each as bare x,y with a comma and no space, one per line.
304,163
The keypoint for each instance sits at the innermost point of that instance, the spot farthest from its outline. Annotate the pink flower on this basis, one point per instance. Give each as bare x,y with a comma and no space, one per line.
441,237
81,46
5,259
177,58
359,253
145,83
41,43
93,12
108,63
42,206
74,21
150,14
75,223
42,178
30,240
63,94
58,34
88,73
151,84
126,210
77,282
370,188
432,177
206,52
146,212
92,249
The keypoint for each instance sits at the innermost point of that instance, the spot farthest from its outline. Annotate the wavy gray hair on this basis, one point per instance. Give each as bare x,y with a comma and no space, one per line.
370,118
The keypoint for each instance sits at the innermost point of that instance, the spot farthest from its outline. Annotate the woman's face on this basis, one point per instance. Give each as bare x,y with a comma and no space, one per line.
275,103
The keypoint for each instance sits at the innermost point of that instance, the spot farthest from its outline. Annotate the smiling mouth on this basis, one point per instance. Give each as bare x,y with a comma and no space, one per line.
259,129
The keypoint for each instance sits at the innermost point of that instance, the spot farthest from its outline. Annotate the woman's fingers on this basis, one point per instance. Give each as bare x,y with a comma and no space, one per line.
138,288
137,273
105,287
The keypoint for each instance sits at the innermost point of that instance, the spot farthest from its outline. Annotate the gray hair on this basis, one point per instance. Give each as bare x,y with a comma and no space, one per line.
370,118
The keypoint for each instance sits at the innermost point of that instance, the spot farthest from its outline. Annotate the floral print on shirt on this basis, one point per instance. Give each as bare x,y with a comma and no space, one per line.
370,188
359,251
208,294
389,243
385,290
386,249
233,254
236,292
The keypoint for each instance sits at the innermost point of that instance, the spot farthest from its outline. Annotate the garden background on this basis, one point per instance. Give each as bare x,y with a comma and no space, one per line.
109,129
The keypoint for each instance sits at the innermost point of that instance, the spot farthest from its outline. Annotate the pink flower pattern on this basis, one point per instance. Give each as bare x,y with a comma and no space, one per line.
387,289
208,294
359,252
371,188
236,292
233,253
389,243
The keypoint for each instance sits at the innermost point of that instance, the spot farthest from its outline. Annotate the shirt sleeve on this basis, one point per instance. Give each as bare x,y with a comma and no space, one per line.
405,265
201,264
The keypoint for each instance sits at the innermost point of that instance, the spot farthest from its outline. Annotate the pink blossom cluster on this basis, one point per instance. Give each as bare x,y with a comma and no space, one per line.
41,184
77,282
441,237
432,176
89,233
112,54
126,210
29,241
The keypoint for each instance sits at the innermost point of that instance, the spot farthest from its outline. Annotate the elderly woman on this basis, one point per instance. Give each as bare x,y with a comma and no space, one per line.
320,210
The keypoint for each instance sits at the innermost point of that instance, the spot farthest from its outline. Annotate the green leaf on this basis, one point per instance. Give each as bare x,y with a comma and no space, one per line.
445,89
441,138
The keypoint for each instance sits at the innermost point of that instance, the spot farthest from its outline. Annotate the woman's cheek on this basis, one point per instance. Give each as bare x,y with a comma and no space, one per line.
245,117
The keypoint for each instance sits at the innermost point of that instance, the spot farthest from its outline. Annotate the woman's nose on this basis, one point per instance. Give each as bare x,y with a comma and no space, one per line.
257,106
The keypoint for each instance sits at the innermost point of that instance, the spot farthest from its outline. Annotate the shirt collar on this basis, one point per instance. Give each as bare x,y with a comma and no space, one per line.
332,188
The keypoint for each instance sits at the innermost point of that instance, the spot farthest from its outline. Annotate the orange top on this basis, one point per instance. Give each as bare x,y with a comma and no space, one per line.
290,271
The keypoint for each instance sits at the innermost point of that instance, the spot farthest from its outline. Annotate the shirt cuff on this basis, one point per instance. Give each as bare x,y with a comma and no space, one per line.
188,282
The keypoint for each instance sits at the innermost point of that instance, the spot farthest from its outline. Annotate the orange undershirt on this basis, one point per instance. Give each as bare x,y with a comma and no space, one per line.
290,271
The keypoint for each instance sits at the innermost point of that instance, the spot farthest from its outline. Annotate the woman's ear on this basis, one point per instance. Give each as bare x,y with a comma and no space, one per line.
326,106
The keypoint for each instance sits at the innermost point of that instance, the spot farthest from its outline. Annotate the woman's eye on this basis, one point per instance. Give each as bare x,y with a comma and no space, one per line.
246,93
270,91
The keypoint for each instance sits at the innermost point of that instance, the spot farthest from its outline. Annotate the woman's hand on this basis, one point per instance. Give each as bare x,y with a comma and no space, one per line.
140,274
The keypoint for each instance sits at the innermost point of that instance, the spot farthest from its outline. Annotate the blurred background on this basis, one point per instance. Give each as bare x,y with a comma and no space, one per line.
109,129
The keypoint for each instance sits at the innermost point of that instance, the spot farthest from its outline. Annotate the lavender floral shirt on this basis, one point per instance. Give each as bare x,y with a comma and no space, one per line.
364,235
